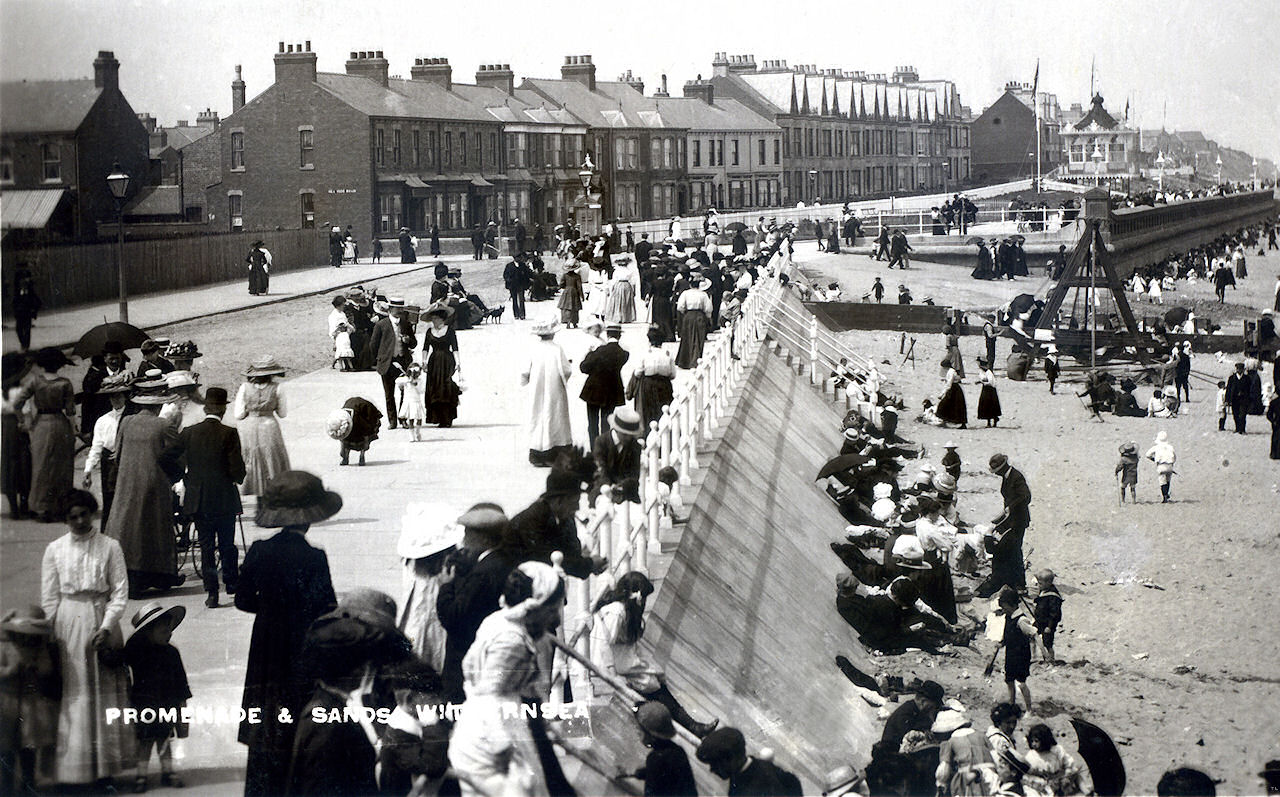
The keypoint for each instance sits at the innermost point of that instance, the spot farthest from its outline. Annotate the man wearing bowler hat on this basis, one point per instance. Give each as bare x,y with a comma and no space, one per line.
1008,529
214,466
93,405
385,346
603,390
666,768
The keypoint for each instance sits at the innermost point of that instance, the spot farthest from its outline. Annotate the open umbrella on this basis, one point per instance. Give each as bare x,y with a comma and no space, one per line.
974,240
1102,757
1018,238
840,464
1021,303
1175,316
127,335
734,226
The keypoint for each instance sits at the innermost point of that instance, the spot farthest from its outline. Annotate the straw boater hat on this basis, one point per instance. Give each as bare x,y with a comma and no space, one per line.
181,379
546,329
153,612
841,781
116,383
296,498
152,391
265,365
908,554
426,530
31,622
626,421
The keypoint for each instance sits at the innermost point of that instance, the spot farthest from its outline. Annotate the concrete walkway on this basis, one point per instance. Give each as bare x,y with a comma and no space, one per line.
63,327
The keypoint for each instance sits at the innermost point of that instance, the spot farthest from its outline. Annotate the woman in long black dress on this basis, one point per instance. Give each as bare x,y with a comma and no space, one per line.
661,310
51,435
15,444
988,399
952,407
440,350
259,269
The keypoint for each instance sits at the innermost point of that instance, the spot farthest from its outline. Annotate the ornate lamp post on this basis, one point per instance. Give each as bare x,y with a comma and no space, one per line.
1160,166
1219,163
1097,163
1255,174
118,182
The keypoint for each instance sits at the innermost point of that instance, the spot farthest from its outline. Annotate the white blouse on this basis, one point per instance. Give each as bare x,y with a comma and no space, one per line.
91,564
104,438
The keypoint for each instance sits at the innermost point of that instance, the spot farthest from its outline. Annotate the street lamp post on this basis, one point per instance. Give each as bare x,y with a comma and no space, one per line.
1219,163
1097,164
1160,166
1255,174
118,182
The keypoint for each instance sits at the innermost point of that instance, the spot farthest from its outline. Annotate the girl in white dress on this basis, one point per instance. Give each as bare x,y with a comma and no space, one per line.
411,404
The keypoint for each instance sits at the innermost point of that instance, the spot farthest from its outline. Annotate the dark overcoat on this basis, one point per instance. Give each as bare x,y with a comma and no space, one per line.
213,465
603,367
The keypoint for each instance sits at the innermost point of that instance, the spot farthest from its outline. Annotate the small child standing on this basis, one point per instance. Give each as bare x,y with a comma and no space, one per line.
1221,406
877,290
411,405
343,354
951,461
1163,455
1048,610
159,682
669,495
1018,633
1127,470
30,694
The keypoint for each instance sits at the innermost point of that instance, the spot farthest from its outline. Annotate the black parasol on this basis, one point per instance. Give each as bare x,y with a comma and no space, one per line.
1017,238
974,240
734,226
1102,757
1176,316
840,464
127,335
1021,303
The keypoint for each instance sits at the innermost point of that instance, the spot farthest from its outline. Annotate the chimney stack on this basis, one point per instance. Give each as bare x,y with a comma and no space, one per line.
294,64
662,90
208,118
148,121
739,64
106,71
433,70
720,65
701,89
581,69
498,76
369,64
237,92
632,81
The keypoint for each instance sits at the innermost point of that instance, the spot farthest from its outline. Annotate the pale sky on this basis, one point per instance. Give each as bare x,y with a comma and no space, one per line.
1215,65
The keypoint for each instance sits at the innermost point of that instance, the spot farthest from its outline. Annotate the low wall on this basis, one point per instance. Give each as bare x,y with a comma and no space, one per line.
844,316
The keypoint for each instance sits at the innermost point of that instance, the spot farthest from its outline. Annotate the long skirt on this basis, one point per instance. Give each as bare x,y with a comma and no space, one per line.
15,457
264,453
621,307
988,404
663,316
693,337
259,280
936,588
52,461
360,345
1275,440
957,362
495,751
652,394
89,688
442,392
952,407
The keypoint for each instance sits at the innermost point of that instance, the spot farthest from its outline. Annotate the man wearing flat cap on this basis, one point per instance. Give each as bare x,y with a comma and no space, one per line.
724,751
470,585
1009,528
548,525
213,466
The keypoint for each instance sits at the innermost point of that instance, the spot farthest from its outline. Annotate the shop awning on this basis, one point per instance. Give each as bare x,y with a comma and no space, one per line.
414,181
29,210
480,182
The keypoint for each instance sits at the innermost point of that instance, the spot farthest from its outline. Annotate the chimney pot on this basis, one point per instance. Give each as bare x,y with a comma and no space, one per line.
308,45
354,55
379,53
281,46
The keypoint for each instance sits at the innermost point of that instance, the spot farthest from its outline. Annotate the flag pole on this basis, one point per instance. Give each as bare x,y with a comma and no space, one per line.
1035,101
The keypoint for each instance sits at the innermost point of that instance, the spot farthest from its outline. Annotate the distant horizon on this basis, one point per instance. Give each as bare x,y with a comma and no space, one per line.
1212,77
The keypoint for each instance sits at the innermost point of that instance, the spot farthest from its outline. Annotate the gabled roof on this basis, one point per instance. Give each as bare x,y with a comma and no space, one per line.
414,99
777,89
46,106
179,137
612,104
725,114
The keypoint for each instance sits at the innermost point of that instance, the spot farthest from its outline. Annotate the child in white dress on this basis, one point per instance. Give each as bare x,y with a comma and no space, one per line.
343,354
411,405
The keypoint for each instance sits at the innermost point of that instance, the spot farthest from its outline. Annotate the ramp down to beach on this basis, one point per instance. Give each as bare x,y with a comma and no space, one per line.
744,620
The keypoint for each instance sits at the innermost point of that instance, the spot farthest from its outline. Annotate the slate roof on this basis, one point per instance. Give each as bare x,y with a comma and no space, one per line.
1097,114
612,104
45,106
412,99
724,114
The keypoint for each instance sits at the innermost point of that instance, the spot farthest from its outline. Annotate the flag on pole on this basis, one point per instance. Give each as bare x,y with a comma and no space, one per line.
1035,82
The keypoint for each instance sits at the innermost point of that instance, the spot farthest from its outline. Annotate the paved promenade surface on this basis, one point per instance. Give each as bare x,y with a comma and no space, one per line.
64,326
484,456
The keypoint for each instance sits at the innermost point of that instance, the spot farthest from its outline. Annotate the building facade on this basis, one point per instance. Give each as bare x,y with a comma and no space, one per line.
1099,149
59,140
849,135
1004,135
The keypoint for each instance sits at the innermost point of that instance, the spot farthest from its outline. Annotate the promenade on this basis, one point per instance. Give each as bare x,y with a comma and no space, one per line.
483,457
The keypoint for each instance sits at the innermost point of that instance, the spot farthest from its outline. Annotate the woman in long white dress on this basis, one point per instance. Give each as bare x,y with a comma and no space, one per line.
84,587
621,307
258,403
597,291
547,375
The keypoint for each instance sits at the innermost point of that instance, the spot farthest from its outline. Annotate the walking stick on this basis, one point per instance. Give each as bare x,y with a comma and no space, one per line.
991,665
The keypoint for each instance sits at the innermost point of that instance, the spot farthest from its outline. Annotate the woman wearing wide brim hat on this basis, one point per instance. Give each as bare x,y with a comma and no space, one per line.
285,583
694,310
183,355
428,534
51,434
259,260
259,402
547,374
964,760
187,406
141,516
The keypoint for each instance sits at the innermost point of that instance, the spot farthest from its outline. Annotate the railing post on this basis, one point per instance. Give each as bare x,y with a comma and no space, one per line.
666,436
651,484
813,351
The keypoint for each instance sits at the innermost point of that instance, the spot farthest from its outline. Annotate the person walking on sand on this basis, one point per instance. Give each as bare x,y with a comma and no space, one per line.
1163,455
1019,631
1127,471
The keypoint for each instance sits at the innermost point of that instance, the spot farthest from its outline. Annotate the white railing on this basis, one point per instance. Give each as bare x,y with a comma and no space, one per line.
625,533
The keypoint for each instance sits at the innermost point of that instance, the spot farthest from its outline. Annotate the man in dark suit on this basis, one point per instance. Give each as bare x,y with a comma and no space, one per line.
724,751
603,389
469,588
617,453
643,248
517,277
1239,398
210,454
548,525
1005,546
477,243
521,235
385,345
